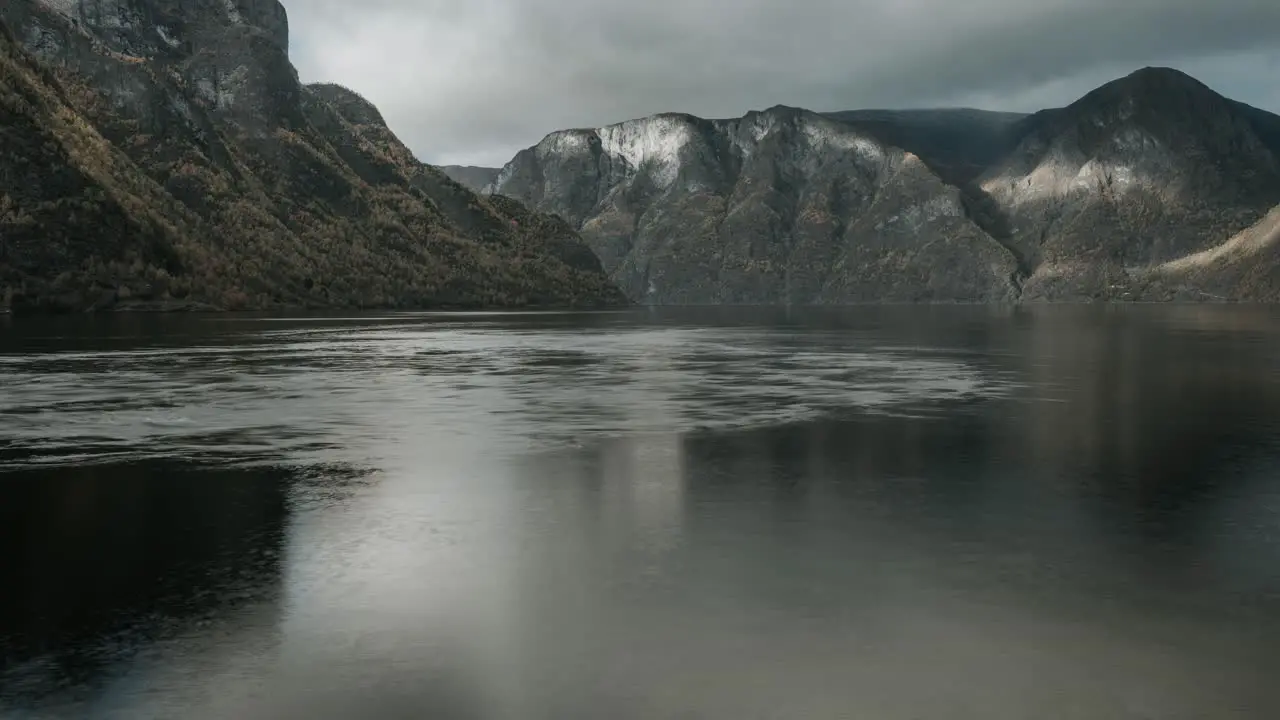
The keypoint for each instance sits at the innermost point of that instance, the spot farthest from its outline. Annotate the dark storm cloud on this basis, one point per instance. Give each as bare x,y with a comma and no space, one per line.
474,81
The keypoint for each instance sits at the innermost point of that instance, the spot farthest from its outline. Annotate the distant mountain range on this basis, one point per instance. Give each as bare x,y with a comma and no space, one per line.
1152,187
475,178
161,154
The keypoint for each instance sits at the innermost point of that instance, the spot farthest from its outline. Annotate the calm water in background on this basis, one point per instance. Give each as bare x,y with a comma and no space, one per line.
939,512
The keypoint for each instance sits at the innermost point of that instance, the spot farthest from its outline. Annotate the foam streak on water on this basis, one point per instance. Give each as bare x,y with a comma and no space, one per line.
297,390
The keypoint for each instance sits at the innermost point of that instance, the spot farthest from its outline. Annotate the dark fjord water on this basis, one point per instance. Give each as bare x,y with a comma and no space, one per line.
874,513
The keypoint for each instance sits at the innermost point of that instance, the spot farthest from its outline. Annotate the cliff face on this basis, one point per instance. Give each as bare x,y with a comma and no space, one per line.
779,206
1084,202
1140,172
163,152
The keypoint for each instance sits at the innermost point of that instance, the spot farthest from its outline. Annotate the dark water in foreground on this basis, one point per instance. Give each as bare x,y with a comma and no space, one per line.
875,513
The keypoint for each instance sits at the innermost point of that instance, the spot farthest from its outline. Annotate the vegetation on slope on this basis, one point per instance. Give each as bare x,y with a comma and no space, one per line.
124,185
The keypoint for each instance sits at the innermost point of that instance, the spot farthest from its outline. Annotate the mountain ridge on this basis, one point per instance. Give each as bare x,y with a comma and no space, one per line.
232,185
1086,200
1147,168
756,209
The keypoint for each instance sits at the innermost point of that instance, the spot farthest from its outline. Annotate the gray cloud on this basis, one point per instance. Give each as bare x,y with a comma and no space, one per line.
474,81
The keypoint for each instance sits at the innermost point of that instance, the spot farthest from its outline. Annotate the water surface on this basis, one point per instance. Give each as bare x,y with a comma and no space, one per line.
895,512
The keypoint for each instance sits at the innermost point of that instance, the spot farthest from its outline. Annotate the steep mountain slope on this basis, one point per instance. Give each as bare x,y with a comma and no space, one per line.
69,200
1246,267
163,152
471,177
1140,172
1082,202
778,206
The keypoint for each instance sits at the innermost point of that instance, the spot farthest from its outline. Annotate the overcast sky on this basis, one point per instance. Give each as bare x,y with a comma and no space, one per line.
473,81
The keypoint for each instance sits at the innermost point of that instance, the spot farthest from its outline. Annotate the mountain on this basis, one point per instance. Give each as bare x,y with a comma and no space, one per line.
783,205
1090,201
959,143
471,177
1245,267
162,153
1142,171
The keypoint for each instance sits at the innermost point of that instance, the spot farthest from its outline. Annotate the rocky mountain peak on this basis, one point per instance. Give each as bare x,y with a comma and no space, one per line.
1152,81
1143,170
1164,104
779,111
268,15
1071,202
769,207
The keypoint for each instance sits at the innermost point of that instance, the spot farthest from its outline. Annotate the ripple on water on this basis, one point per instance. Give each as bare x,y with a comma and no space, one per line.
319,392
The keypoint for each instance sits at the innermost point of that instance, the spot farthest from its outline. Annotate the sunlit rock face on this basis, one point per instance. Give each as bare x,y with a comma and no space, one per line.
1140,172
1246,267
779,206
786,205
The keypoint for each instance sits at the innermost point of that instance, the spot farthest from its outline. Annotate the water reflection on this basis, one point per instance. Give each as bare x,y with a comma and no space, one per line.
896,512
100,560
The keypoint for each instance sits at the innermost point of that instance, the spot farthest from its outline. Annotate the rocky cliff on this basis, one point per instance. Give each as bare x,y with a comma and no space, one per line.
1145,170
163,153
1084,202
779,206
